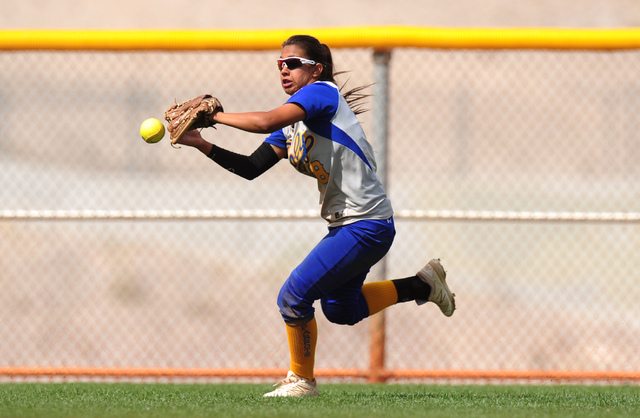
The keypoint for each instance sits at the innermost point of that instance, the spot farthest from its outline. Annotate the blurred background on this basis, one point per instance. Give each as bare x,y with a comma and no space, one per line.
239,14
486,131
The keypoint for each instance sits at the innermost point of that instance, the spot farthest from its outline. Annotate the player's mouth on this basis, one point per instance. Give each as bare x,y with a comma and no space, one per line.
286,83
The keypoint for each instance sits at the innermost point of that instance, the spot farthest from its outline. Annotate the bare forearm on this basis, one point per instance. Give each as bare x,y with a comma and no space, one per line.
204,147
256,122
262,122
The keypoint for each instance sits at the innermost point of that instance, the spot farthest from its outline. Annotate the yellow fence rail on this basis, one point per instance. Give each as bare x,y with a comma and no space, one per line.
349,37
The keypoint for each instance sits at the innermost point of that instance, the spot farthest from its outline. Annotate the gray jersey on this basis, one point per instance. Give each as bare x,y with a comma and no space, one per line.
330,145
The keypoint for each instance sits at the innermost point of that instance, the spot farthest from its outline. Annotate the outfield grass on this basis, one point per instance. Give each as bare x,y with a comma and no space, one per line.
337,400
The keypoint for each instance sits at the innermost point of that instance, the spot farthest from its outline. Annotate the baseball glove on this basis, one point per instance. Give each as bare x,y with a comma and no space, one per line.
192,114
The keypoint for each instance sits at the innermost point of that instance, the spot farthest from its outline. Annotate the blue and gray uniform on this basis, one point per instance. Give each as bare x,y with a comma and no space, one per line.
331,146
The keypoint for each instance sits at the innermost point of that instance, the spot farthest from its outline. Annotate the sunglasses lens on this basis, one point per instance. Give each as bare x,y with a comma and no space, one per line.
292,63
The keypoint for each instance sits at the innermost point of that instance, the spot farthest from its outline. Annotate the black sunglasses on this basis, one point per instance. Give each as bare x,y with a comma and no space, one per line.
294,62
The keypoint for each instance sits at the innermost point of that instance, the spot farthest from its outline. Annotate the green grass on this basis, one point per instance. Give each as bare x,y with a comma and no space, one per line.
337,400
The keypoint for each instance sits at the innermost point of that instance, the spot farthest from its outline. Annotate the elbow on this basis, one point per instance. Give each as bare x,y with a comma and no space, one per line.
265,127
246,174
250,177
265,123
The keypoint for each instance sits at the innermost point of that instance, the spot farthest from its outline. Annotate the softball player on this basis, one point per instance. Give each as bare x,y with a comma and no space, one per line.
318,132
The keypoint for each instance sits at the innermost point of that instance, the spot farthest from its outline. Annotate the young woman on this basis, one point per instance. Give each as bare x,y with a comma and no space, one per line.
318,132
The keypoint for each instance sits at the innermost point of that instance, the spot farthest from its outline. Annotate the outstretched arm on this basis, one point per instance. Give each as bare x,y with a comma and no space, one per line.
265,157
263,122
246,166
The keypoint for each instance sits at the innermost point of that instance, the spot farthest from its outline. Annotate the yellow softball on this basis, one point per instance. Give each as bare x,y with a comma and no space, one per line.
152,130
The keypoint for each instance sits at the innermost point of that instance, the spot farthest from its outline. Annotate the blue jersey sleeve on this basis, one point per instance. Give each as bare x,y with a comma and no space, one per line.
278,139
320,100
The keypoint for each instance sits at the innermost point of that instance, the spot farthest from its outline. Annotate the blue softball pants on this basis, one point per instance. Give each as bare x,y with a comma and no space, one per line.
334,272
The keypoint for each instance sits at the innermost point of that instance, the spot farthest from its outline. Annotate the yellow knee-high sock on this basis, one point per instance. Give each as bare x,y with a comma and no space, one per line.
380,295
302,347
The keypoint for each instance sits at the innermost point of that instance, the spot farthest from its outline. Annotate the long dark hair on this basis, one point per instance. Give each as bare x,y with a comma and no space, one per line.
319,52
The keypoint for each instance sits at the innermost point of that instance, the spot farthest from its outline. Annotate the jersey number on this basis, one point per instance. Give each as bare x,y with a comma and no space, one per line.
299,151
319,171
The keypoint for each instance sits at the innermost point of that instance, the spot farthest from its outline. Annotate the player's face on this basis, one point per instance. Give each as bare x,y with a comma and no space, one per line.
293,79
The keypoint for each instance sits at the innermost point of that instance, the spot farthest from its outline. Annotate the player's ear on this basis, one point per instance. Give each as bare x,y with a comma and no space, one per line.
317,70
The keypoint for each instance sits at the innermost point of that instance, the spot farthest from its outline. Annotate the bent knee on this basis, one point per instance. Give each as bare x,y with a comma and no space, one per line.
294,309
341,315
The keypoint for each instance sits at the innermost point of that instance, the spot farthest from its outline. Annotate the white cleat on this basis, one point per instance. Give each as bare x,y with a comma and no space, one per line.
434,275
294,386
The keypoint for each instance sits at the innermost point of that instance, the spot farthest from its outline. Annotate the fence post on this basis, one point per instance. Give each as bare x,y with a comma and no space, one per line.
379,142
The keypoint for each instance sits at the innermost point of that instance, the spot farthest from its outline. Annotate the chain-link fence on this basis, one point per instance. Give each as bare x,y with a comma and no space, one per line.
552,136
